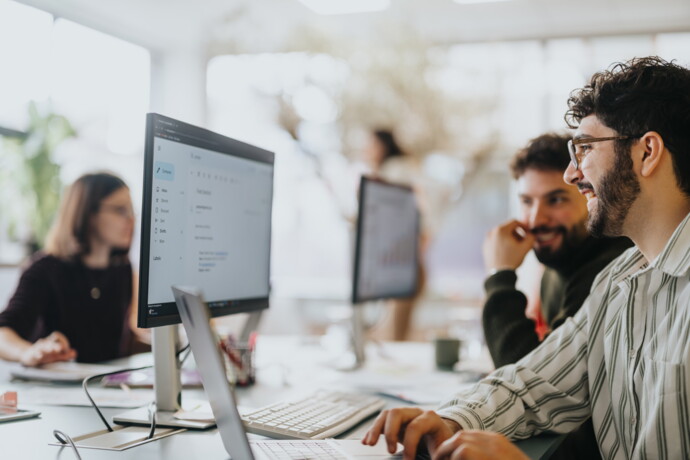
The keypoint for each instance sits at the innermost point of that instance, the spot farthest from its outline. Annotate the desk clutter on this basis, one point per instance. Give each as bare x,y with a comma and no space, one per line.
239,360
9,409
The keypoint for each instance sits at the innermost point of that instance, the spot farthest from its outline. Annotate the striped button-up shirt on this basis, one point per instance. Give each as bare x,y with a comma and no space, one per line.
623,359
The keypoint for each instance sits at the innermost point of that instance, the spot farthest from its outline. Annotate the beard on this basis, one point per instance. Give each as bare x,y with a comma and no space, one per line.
616,193
570,246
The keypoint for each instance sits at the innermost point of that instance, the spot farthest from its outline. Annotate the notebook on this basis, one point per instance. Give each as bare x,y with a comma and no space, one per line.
195,317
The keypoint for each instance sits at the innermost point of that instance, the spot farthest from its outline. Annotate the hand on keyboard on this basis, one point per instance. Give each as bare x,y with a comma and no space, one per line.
322,415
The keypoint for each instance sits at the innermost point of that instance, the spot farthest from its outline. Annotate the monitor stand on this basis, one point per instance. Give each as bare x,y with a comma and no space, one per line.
355,360
167,386
166,383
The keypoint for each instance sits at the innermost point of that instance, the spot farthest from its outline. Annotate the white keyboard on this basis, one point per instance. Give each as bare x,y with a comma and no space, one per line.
322,415
299,450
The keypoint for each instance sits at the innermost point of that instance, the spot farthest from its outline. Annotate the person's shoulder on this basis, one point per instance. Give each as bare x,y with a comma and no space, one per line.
42,263
616,266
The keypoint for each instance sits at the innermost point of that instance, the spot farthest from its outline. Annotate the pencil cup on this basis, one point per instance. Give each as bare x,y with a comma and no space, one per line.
239,363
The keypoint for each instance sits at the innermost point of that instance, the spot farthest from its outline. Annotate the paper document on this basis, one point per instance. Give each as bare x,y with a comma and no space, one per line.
60,372
75,396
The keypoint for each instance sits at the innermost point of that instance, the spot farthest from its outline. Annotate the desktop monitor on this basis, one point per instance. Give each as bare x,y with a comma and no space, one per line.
386,259
386,246
206,222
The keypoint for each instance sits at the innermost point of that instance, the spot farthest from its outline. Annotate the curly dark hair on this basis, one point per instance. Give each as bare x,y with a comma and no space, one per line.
548,152
638,96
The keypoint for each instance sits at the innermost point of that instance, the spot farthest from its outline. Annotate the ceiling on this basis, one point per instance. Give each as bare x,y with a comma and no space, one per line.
265,25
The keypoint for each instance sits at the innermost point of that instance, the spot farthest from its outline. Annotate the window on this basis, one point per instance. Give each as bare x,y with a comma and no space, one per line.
98,82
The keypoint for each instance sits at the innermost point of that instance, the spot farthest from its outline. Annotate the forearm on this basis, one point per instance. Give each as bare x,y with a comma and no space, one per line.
12,346
545,391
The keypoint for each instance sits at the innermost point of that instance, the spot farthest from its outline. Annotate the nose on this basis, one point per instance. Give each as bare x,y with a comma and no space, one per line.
538,215
572,175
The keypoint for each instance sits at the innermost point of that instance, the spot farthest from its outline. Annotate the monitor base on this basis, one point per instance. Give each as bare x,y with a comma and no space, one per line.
164,418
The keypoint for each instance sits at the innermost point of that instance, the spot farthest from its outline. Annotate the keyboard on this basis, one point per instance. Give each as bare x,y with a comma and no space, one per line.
299,450
321,415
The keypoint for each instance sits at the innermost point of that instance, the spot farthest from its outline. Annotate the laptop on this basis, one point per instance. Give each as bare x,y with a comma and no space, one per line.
195,317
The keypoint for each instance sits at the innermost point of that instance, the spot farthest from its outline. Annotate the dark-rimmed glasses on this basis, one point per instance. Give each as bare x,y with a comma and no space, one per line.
122,211
577,147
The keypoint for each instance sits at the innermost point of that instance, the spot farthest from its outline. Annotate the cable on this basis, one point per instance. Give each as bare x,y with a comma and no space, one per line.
85,382
85,386
65,439
152,416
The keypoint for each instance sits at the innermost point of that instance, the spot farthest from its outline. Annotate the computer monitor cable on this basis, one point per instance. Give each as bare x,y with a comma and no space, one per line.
65,439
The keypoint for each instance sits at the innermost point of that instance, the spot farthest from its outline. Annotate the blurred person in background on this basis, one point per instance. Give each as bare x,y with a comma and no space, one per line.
77,299
385,159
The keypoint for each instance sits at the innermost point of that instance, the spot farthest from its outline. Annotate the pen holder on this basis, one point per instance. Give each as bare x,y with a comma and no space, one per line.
239,363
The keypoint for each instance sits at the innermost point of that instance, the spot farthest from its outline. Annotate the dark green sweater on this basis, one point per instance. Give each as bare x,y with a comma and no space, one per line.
510,335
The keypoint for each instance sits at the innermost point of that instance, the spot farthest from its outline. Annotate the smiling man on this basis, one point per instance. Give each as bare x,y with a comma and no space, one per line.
553,223
624,358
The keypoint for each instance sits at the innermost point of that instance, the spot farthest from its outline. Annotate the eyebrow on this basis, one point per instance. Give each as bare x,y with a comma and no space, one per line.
582,136
552,193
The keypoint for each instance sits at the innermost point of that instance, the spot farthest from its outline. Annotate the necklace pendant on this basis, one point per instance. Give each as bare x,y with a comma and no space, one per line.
95,293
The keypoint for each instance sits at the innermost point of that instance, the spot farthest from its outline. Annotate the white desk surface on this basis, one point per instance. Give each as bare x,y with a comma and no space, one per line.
286,368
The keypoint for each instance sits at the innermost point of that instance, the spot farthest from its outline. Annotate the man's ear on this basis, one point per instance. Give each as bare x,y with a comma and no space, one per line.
654,151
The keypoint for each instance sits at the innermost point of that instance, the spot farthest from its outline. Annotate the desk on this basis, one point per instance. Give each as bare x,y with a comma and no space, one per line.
286,367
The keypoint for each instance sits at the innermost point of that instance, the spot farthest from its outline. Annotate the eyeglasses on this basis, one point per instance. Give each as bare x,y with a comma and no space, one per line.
579,148
122,211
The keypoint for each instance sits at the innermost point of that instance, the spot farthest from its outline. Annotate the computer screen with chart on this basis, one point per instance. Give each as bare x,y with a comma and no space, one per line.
386,247
206,221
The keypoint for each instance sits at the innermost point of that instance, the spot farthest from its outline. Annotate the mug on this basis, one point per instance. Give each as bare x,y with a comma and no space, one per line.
446,352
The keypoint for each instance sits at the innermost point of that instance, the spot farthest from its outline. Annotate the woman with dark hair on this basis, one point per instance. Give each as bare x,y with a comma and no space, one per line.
387,160
75,299
382,147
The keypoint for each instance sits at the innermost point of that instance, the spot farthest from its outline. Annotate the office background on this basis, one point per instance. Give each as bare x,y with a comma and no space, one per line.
464,84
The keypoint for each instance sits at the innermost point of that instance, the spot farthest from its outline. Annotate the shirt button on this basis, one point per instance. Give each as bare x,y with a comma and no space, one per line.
633,420
632,353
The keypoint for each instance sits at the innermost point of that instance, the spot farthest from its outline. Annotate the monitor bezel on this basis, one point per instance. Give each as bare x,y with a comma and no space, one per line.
203,138
356,297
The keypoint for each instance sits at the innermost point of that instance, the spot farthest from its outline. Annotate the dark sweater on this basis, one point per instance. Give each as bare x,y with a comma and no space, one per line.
55,295
510,335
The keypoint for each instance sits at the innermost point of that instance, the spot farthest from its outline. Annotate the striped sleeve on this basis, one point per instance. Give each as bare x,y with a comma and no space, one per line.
547,390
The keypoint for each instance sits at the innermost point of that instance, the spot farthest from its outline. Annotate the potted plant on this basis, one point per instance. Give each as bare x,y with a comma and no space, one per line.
31,177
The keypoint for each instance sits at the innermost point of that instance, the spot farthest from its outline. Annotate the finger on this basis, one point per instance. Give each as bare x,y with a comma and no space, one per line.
427,423
376,429
448,446
392,430
60,338
464,452
510,226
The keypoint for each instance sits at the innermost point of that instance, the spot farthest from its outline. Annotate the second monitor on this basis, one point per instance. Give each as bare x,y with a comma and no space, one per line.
386,256
386,261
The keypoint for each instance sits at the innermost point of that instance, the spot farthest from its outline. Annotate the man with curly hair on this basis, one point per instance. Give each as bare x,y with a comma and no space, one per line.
624,358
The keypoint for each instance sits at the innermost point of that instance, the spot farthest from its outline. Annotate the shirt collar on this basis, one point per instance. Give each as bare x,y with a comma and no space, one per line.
674,259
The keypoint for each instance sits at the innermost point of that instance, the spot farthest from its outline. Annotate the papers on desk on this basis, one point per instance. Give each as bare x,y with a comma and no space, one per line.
412,384
75,396
189,378
66,372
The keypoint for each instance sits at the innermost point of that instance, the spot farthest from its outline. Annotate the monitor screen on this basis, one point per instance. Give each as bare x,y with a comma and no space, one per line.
386,248
206,221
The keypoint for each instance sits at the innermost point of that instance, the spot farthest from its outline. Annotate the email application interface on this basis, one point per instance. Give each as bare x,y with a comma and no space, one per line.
210,224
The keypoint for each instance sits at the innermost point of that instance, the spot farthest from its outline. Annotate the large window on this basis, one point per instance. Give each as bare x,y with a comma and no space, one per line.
514,91
98,82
